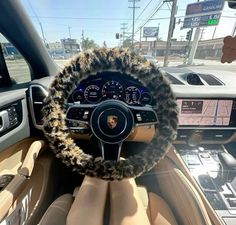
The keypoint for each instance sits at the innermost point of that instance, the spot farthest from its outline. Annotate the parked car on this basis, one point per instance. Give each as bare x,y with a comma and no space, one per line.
151,59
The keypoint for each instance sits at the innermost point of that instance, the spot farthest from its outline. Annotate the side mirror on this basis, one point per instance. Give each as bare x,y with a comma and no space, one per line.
232,4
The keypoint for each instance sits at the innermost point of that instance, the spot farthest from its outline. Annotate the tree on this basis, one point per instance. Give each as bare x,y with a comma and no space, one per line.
88,43
127,43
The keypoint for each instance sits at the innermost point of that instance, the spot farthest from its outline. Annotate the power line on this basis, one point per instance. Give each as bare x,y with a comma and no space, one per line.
140,14
79,18
40,24
147,20
143,10
123,29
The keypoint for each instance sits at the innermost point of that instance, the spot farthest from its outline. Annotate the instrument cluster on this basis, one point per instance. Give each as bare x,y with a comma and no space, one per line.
98,88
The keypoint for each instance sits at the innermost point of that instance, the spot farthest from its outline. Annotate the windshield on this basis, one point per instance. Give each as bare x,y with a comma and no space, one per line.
143,26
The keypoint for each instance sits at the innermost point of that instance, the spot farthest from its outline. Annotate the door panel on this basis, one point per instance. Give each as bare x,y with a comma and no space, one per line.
12,157
37,194
14,123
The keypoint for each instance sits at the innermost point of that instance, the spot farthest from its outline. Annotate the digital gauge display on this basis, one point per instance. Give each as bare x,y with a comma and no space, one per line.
132,95
78,96
92,94
112,90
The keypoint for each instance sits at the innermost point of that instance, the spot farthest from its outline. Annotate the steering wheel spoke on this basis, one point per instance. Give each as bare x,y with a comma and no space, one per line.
144,116
110,151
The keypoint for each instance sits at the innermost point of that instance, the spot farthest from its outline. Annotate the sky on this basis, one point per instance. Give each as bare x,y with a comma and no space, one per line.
100,20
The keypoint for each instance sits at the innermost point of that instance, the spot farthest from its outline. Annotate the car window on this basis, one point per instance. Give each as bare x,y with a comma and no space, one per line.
17,66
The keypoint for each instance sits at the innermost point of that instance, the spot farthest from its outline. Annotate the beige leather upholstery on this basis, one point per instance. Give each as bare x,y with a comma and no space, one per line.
181,195
157,209
159,212
57,212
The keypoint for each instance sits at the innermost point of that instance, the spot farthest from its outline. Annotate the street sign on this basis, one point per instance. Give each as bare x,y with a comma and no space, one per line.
210,6
202,21
202,14
150,31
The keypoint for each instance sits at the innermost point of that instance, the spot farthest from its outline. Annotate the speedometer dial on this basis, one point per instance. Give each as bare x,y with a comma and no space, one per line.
132,95
92,93
112,90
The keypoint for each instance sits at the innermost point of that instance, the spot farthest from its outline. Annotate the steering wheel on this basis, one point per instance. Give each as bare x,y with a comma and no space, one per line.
111,121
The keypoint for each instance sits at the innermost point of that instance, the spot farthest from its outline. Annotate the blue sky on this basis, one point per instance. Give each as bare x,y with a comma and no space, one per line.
101,19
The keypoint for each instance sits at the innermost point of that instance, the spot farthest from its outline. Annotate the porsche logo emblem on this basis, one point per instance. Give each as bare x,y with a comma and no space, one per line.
112,121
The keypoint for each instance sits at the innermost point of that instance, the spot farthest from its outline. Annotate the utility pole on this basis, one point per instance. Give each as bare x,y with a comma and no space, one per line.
171,30
69,31
134,8
140,40
234,30
194,45
202,33
41,27
123,29
214,33
82,40
40,24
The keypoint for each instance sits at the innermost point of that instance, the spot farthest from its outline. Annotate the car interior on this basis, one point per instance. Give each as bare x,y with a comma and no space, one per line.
108,104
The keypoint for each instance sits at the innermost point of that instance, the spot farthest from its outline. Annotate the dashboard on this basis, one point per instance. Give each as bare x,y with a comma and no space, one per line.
206,113
106,85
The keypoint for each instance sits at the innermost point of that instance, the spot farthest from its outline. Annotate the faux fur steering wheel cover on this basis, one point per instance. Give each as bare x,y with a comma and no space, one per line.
89,63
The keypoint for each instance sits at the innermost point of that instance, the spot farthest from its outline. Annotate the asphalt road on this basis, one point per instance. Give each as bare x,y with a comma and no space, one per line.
19,70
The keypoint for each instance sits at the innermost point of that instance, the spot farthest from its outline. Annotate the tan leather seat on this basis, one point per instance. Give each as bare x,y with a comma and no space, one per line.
181,195
57,212
157,209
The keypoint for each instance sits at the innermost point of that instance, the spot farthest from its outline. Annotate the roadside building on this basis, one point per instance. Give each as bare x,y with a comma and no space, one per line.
207,49
70,45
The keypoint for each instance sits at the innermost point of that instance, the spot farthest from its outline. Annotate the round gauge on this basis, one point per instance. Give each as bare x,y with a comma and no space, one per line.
92,93
112,90
78,96
145,98
132,95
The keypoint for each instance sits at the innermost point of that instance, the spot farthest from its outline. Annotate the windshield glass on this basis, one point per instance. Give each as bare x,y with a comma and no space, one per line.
143,26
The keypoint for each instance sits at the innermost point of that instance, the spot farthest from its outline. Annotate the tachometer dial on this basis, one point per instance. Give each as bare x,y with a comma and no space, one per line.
112,90
78,96
92,93
132,95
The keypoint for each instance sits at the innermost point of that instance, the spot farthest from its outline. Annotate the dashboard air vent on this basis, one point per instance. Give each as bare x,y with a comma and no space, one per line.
211,80
172,79
37,95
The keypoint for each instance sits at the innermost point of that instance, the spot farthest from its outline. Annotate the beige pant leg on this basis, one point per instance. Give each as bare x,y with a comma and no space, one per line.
89,203
126,205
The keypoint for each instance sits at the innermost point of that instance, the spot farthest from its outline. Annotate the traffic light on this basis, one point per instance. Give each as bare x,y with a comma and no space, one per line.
117,35
189,35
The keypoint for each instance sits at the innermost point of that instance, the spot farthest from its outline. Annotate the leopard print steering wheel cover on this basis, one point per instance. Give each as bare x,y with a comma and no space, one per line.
86,64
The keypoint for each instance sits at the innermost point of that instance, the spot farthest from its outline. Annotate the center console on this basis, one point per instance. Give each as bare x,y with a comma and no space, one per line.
217,182
204,126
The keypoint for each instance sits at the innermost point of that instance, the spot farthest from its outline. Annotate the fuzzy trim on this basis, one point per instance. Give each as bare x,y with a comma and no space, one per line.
86,64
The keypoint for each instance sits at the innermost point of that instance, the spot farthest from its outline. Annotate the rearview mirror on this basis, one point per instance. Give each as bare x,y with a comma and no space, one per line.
232,4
